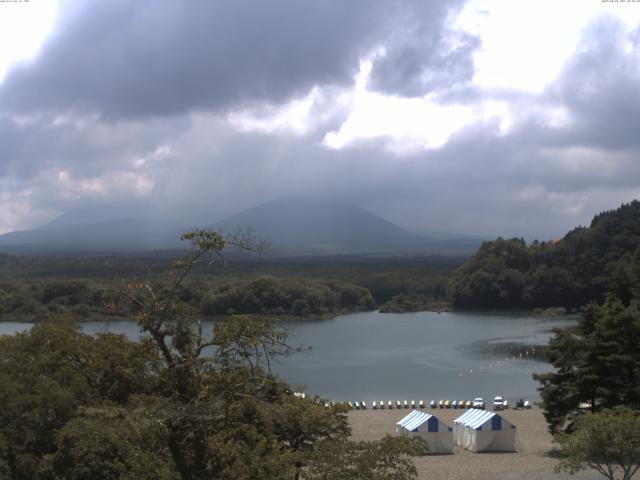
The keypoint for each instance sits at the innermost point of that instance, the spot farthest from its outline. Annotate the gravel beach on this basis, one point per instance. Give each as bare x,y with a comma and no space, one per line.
534,459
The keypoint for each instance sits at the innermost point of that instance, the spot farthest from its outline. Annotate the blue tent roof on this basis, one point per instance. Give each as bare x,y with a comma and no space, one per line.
475,419
417,418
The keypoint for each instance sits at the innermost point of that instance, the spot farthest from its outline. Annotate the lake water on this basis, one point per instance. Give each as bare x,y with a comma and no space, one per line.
425,355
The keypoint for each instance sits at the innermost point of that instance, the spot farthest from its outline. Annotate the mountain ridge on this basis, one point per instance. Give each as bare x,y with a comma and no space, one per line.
293,226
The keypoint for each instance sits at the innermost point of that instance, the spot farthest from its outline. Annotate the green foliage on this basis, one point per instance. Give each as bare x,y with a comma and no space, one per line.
607,441
271,295
508,274
111,444
49,372
35,288
178,404
430,294
597,362
386,459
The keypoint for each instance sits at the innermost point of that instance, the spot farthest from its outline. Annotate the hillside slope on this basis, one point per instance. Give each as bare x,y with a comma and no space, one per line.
113,236
293,227
311,226
508,274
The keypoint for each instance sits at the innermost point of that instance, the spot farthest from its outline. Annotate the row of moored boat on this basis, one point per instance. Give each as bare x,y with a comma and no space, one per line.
459,404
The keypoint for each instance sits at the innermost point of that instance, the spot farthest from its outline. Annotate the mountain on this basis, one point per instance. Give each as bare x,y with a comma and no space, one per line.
292,226
98,214
111,236
311,226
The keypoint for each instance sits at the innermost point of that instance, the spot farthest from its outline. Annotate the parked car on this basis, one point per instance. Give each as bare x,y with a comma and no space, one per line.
478,402
498,402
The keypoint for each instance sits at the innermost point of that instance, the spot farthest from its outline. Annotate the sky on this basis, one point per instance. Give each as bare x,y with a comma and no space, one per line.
486,118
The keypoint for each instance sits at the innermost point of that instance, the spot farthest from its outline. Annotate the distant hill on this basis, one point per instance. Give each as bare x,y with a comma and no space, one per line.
112,236
310,226
292,226
570,272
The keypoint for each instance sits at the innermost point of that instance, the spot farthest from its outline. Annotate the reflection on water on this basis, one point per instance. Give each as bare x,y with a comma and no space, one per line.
374,356
421,355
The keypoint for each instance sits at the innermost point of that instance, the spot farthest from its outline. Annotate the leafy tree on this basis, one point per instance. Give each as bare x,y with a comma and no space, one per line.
228,417
597,362
5,470
180,403
570,272
389,458
111,444
607,441
48,373
299,297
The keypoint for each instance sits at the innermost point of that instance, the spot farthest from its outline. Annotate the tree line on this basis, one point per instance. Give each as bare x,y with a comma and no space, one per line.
33,288
176,404
592,399
570,272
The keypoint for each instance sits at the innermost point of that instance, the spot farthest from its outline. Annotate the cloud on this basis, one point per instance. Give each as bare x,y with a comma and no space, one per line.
159,58
199,110
599,87
426,56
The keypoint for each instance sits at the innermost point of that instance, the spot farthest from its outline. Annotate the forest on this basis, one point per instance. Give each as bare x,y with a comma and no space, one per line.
505,274
175,404
34,288
570,272
103,406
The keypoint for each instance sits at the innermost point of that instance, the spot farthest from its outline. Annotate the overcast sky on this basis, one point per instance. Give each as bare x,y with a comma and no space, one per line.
493,117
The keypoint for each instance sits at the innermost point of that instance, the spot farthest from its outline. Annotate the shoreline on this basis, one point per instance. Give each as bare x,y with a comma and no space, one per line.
535,458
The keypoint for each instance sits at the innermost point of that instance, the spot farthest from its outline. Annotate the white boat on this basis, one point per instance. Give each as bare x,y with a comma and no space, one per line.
421,403
390,404
374,405
528,404
363,405
406,404
398,404
381,404
413,404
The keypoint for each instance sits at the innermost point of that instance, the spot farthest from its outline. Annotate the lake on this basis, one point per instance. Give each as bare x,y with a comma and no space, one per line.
425,355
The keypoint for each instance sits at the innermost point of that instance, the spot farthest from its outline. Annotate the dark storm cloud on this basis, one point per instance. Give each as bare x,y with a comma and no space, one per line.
131,59
431,66
478,183
120,80
427,55
601,87
141,58
84,145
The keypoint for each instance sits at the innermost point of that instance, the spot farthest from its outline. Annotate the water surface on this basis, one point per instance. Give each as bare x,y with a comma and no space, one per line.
424,355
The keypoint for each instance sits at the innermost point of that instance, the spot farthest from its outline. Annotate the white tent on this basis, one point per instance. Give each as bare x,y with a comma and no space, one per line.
438,435
482,431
